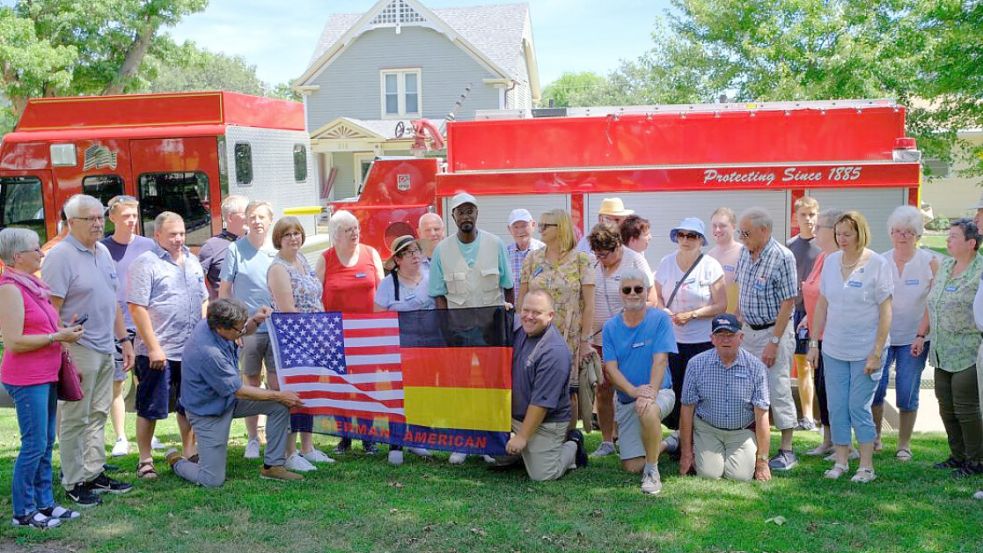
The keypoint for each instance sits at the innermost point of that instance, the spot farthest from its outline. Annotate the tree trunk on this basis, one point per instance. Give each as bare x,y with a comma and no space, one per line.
134,57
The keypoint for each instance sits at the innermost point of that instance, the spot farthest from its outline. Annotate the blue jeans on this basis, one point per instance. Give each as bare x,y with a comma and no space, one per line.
849,394
907,376
36,407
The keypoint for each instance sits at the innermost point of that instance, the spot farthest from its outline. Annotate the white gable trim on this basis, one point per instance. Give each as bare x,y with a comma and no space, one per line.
532,68
363,25
344,128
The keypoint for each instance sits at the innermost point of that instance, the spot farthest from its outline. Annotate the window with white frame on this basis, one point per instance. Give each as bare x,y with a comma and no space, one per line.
401,93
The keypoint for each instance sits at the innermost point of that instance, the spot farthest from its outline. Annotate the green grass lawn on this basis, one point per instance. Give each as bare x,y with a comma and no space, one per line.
363,504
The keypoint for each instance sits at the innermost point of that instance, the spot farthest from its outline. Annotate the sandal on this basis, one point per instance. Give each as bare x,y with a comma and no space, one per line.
903,454
821,449
146,470
863,476
837,471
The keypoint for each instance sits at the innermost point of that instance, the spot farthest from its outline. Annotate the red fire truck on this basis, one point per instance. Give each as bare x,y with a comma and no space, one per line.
665,162
181,152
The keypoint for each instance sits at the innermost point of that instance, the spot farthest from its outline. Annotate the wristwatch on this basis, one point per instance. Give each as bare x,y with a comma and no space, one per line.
762,458
774,340
814,344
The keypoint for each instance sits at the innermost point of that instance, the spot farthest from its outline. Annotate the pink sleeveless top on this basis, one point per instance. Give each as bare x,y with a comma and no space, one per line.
41,365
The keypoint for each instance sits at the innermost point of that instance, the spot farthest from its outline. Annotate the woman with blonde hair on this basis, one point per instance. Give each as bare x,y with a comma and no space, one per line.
566,274
853,315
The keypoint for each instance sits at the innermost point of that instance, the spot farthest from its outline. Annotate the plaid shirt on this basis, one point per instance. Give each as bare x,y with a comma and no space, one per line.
764,284
517,256
725,397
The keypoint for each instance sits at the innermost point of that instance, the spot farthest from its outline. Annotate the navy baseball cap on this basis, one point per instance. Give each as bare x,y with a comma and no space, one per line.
726,322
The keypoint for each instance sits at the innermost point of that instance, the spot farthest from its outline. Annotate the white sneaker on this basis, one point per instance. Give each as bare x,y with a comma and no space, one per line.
395,457
978,495
458,458
156,444
121,447
603,450
420,452
489,459
317,456
297,463
652,482
252,449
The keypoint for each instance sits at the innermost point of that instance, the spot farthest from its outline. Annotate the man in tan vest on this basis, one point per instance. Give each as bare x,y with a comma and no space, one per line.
470,268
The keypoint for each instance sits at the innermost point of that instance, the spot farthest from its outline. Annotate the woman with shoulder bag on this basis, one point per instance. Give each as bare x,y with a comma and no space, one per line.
32,359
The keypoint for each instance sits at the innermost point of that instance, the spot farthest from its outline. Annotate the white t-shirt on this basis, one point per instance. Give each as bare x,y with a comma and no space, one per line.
911,289
694,293
853,312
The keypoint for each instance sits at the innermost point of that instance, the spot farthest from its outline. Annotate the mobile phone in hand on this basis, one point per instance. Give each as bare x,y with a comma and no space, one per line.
81,320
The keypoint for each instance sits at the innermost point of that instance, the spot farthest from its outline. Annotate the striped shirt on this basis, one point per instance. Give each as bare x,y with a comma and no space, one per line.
725,397
764,284
517,256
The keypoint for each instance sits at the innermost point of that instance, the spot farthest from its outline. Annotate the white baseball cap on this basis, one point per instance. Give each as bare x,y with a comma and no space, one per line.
462,198
520,214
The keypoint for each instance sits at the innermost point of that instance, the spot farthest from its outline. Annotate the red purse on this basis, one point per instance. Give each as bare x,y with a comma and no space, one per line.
69,381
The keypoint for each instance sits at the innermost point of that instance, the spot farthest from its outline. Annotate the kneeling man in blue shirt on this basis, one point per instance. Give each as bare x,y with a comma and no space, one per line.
213,394
636,348
723,424
540,399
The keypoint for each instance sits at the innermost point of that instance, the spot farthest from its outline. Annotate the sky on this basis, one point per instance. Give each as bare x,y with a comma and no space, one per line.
278,37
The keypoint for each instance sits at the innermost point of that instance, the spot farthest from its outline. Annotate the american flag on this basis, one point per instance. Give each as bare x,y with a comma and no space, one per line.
97,156
341,366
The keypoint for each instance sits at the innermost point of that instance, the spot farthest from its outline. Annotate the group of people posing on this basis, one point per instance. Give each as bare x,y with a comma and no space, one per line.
704,344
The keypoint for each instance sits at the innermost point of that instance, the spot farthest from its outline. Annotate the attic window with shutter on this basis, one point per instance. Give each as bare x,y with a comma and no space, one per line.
398,12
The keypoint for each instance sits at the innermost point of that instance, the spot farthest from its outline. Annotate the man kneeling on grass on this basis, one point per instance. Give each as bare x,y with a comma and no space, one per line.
540,399
636,348
723,424
213,394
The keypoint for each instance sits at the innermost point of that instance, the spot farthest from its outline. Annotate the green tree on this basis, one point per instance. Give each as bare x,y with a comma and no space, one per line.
67,47
186,67
916,51
574,89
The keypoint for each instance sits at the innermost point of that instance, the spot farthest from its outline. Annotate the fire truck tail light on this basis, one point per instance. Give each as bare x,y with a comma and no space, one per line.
905,150
63,155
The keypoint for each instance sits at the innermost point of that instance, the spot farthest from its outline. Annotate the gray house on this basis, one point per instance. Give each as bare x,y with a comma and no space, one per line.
401,61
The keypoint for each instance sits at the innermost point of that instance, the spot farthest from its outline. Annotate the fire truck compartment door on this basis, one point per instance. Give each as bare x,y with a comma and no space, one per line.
493,211
876,204
665,210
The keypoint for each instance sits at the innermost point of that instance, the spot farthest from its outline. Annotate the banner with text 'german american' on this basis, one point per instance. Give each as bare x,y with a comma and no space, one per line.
437,379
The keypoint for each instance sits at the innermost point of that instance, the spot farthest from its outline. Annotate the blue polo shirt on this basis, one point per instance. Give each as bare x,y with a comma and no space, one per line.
634,347
209,373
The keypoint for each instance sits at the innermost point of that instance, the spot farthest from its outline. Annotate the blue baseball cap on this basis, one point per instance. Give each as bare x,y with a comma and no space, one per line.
725,322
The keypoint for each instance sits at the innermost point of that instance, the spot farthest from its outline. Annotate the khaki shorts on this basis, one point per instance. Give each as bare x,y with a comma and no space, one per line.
257,351
630,428
548,455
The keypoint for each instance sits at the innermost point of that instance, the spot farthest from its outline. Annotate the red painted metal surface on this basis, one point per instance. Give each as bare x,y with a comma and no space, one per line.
161,110
678,179
396,193
66,136
752,136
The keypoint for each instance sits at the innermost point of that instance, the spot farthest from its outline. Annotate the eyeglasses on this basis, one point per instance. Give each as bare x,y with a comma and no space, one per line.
743,234
242,330
293,234
545,226
689,235
409,252
602,254
90,220
626,290
351,230
902,233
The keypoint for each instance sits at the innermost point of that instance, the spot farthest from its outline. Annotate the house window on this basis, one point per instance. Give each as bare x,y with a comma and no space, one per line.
401,93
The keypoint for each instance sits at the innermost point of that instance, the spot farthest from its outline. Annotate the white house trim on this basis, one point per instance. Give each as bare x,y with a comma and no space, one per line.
363,25
401,112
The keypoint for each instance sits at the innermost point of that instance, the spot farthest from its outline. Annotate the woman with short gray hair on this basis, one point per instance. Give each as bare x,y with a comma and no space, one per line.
350,273
32,338
913,269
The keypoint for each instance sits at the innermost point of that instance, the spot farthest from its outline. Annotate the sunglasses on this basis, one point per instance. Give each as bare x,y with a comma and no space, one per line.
689,235
545,226
626,290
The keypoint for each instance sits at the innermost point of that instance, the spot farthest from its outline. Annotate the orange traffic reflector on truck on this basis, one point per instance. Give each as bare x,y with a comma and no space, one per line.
304,210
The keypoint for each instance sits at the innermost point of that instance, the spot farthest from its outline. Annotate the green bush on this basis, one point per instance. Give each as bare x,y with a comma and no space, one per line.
939,223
